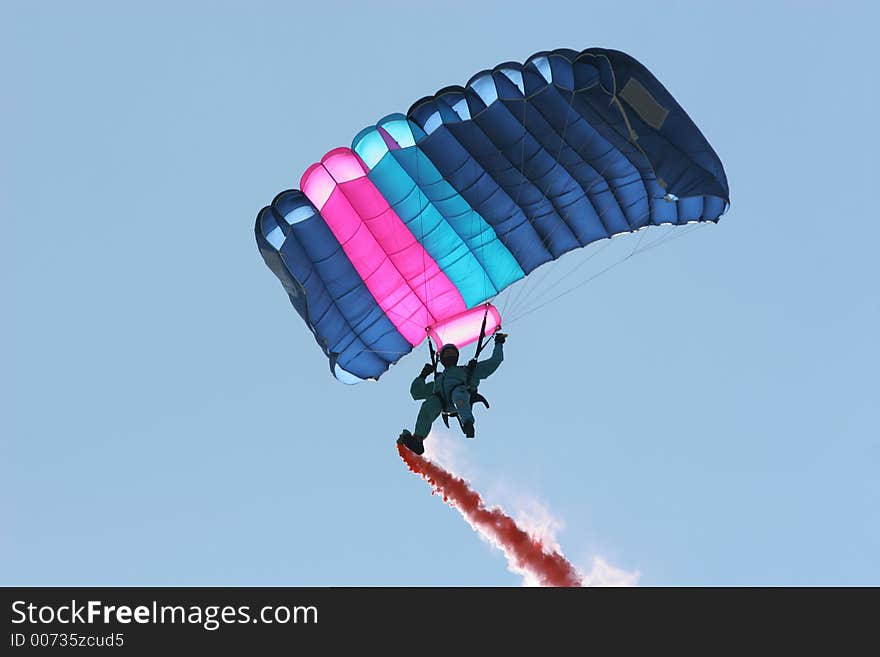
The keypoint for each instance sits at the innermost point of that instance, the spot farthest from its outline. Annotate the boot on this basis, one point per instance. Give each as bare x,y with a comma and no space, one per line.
415,444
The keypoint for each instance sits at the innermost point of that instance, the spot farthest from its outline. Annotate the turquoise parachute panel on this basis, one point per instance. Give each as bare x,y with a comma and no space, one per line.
497,261
465,247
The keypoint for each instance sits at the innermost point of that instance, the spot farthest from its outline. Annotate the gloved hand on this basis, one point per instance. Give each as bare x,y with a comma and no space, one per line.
500,338
426,370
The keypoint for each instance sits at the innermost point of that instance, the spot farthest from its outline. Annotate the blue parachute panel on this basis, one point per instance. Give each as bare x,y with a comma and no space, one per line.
563,136
326,290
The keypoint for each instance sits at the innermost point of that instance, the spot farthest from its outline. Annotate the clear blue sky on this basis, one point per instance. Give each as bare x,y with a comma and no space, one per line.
709,415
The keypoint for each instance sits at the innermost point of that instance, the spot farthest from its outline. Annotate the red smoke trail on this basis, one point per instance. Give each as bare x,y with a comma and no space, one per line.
551,569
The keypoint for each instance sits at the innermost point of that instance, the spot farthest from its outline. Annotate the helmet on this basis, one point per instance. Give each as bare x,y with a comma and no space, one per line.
448,355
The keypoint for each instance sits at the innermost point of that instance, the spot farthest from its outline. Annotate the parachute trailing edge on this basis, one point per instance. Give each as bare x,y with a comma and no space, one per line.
429,215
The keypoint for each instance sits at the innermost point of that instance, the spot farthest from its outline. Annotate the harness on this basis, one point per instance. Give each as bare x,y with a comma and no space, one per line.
448,408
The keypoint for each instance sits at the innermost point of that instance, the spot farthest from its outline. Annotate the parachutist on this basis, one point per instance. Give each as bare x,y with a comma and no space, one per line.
452,392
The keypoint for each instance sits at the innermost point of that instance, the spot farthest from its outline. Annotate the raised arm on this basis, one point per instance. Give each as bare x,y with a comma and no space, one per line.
419,388
487,367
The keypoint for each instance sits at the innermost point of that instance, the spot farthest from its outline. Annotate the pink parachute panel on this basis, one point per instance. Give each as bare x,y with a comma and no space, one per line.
464,328
406,282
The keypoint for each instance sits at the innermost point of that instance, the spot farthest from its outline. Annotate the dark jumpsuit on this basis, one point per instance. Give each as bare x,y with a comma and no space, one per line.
451,383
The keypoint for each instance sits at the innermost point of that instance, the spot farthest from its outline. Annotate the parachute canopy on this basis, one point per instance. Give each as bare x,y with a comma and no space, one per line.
429,215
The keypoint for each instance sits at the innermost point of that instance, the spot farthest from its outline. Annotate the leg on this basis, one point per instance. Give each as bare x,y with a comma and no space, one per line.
429,412
461,397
